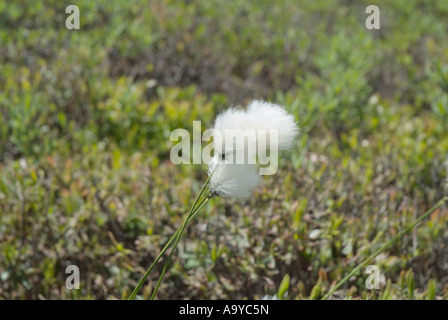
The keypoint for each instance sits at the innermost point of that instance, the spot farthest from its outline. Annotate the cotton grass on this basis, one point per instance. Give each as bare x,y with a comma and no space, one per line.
239,180
235,180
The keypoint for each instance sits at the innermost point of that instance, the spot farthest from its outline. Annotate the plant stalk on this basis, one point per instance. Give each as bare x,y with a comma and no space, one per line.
190,216
387,245
204,201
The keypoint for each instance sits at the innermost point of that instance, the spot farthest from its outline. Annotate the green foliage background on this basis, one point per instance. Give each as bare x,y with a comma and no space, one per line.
85,120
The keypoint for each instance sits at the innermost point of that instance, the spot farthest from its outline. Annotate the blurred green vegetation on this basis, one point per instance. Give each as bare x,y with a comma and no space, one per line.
85,174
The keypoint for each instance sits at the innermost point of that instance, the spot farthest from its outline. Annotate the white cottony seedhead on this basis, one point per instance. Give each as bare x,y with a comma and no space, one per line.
231,119
239,180
233,180
265,115
260,115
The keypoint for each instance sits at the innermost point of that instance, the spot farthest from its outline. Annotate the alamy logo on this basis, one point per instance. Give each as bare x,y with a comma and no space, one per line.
72,281
233,146
72,21
373,281
373,21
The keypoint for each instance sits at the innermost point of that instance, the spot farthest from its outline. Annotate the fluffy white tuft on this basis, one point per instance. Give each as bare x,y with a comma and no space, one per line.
231,119
239,180
259,115
265,115
233,180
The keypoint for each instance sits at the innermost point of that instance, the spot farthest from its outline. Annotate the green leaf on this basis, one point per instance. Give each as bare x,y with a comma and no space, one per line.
411,283
385,295
431,294
284,285
316,290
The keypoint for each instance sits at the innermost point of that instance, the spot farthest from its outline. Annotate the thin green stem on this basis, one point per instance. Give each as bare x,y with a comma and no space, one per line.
189,218
387,245
173,237
175,245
